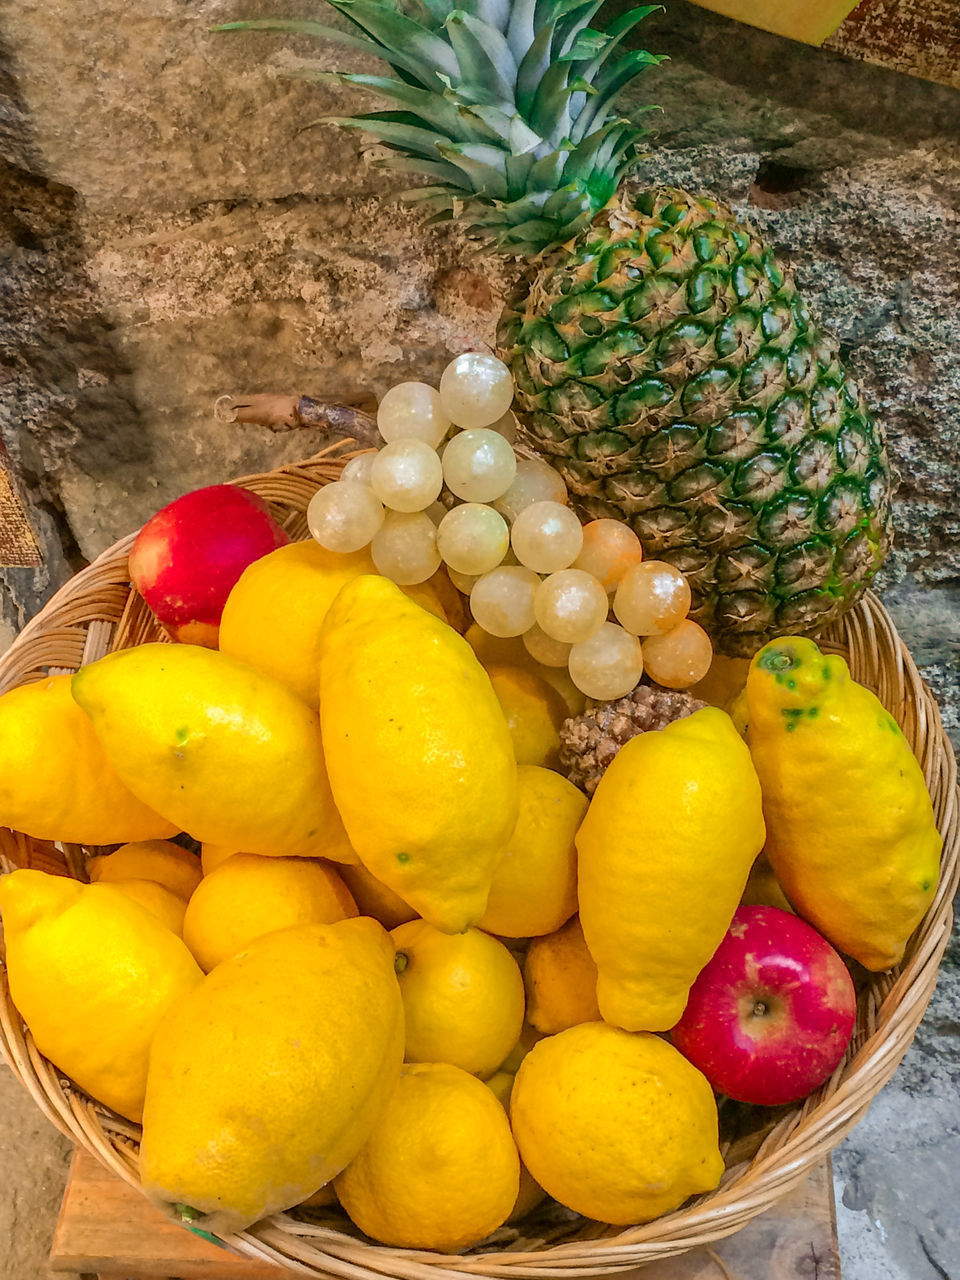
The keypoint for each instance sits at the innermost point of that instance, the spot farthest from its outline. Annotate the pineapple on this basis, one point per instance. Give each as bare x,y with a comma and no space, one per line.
665,362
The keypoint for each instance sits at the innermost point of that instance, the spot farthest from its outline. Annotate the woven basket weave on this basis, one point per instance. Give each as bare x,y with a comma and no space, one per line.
98,611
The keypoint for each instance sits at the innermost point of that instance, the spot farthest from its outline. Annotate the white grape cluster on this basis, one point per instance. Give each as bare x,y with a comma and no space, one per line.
510,542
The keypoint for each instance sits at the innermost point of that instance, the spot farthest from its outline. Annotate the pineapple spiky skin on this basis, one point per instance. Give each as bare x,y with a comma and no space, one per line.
668,367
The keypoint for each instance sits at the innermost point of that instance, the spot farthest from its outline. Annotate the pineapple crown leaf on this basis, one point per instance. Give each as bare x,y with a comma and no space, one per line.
507,106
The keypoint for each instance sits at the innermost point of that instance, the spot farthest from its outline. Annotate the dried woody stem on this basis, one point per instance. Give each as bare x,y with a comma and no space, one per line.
351,415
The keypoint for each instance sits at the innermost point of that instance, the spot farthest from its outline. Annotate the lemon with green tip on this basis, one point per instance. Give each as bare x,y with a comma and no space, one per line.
462,996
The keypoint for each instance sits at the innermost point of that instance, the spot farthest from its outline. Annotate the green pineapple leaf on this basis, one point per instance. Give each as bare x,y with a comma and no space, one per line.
508,107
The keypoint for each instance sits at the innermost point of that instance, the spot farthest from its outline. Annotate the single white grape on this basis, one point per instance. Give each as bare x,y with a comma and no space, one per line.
412,411
479,465
344,516
506,426
546,536
405,549
610,550
607,664
544,649
358,468
502,600
570,605
406,475
476,390
535,481
473,538
463,581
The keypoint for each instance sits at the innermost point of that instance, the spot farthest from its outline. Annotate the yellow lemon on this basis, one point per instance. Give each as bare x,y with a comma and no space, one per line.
763,888
92,973
161,860
560,978
419,753
497,651
559,679
664,854
534,887
528,1038
320,1199
500,1085
723,683
248,896
267,1079
214,855
228,754
452,608
161,902
440,1170
615,1126
534,712
850,827
376,899
531,1193
56,782
462,996
503,651
273,615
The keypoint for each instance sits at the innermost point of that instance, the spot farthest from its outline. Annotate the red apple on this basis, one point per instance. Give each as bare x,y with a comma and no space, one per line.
188,557
771,1014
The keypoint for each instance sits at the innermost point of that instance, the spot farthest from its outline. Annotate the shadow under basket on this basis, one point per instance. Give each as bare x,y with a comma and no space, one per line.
767,1152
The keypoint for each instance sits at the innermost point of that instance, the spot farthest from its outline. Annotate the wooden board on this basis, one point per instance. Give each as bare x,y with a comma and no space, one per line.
108,1228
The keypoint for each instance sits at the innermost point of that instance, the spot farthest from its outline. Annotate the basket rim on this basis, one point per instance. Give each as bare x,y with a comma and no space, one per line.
788,1152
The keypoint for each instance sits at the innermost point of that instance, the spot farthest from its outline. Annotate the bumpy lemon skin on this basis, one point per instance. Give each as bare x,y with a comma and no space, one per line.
615,1126
272,618
462,996
267,1079
664,854
440,1170
226,753
92,973
56,782
420,758
249,895
161,860
850,828
374,898
167,906
534,711
534,889
560,979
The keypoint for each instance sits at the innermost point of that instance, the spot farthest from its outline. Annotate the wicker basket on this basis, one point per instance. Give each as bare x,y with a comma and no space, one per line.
98,611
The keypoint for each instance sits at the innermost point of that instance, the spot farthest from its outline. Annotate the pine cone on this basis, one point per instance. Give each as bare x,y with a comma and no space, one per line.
589,742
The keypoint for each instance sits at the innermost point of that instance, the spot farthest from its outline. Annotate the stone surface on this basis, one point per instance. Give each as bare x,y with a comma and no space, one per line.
34,1158
171,234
